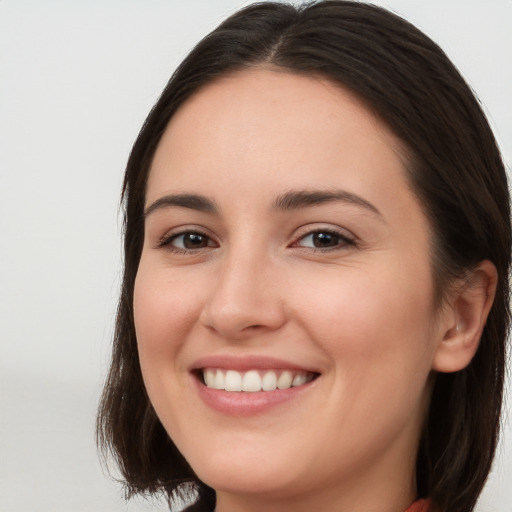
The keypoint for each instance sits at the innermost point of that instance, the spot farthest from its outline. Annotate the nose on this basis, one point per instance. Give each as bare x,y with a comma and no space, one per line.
245,300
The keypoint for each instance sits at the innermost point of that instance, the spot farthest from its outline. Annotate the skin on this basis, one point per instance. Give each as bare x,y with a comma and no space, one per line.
359,312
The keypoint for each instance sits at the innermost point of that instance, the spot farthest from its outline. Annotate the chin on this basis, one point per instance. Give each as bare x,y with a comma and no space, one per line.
250,481
242,471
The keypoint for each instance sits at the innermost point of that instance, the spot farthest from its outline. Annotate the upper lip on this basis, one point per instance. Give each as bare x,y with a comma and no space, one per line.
245,363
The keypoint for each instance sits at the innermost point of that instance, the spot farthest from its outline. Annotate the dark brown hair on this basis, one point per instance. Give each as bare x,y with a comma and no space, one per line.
455,169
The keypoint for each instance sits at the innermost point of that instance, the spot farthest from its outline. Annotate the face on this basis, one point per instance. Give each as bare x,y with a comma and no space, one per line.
283,302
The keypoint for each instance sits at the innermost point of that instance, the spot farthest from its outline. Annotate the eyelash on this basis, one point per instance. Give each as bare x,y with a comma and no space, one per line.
344,241
167,240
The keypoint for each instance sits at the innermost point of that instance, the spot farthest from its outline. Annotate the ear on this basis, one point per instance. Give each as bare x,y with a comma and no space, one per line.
464,320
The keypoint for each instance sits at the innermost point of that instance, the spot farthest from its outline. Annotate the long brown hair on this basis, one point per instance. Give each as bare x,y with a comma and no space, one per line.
455,169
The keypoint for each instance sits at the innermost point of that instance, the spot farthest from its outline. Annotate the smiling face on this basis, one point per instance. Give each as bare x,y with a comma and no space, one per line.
286,255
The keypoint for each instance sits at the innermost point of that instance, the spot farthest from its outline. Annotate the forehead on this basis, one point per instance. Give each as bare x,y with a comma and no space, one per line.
268,120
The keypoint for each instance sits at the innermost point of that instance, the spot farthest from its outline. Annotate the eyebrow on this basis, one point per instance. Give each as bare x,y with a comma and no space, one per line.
292,200
192,201
296,199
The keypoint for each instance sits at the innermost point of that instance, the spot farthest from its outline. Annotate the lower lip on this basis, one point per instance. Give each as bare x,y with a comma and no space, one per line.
240,403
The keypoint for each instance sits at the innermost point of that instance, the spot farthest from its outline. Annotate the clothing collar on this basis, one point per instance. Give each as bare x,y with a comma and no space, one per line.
419,506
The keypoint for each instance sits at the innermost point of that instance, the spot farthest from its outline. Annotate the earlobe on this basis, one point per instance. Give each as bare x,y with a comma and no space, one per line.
463,325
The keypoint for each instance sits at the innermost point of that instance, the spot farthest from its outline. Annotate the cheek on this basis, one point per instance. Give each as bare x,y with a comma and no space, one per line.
164,310
376,329
372,321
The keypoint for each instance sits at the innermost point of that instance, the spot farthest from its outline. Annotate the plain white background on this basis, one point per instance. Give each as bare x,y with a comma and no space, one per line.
77,79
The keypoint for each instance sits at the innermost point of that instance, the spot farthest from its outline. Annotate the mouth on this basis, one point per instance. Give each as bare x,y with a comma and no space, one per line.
254,380
251,385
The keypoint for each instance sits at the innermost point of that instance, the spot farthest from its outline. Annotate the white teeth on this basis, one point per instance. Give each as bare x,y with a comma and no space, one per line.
285,380
269,381
219,380
233,381
209,377
253,380
299,379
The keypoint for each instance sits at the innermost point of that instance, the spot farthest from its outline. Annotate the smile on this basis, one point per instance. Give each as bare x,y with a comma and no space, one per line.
253,381
252,384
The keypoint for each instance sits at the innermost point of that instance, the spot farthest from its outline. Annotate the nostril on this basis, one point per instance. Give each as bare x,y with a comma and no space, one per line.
234,314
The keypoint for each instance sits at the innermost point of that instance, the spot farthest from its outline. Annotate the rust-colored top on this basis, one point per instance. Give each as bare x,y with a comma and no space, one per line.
419,506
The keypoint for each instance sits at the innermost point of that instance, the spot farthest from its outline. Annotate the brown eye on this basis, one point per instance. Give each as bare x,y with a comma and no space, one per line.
195,241
324,240
189,241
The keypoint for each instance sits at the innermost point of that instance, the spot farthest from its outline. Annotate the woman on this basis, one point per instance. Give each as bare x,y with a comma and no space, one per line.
317,250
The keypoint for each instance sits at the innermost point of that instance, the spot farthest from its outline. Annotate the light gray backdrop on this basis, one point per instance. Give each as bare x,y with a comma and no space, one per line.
77,78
